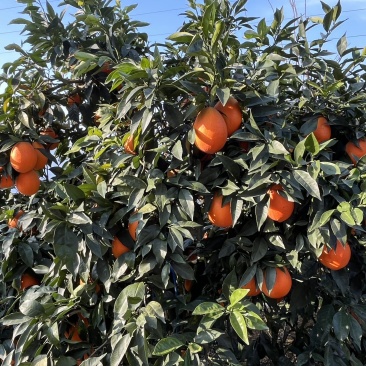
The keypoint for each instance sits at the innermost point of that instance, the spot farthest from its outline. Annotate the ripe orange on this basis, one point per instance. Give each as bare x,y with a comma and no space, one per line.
27,280
74,99
188,285
220,215
132,227
13,223
252,287
280,209
356,150
6,181
323,132
28,183
23,157
129,145
232,114
41,158
335,259
49,131
118,248
73,334
282,285
211,130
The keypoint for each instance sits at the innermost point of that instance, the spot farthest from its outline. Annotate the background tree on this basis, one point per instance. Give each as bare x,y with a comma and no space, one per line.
199,201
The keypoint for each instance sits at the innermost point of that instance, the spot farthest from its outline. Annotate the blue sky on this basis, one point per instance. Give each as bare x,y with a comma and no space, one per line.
164,18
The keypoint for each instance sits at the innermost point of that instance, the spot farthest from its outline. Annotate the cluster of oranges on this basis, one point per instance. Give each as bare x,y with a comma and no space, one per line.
26,159
281,286
213,125
212,128
118,248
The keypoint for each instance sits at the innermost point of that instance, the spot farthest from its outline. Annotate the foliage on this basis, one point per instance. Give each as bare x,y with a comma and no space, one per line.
175,297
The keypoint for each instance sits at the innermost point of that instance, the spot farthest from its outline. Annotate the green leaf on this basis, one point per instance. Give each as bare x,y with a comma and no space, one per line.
223,95
167,345
208,308
312,144
342,45
341,325
186,200
208,19
310,184
14,319
32,308
260,249
237,296
237,321
134,291
181,37
120,349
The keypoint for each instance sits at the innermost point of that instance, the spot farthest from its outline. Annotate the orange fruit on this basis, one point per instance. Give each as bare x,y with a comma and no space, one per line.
6,181
27,280
118,248
211,131
73,334
28,183
323,132
252,287
132,227
232,114
220,215
13,223
282,285
129,145
188,285
280,209
23,157
49,131
356,150
335,259
41,158
74,99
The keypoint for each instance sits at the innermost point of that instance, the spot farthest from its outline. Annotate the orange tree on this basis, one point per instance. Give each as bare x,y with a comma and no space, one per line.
200,201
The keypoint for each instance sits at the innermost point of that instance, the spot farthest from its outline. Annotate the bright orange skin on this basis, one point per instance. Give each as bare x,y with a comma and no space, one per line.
336,259
51,133
132,227
118,248
323,132
232,114
211,131
23,157
282,285
252,287
28,183
41,158
28,280
13,223
280,209
129,145
353,150
220,215
6,182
